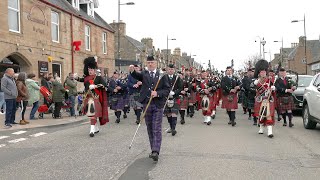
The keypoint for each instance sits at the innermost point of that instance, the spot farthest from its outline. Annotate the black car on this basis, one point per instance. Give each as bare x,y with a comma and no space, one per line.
303,82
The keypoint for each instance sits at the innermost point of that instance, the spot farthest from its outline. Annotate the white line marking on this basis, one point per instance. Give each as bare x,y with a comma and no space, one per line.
3,137
38,134
19,132
17,140
2,145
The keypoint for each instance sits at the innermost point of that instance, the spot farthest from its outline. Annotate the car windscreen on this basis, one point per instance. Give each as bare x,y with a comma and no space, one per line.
304,81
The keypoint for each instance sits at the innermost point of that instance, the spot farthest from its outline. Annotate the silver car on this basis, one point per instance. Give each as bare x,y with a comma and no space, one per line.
311,104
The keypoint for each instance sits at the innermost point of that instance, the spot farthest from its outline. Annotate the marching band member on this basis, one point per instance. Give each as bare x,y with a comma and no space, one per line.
184,97
95,100
207,89
190,78
250,93
172,108
118,89
230,86
264,101
125,96
134,92
285,88
272,77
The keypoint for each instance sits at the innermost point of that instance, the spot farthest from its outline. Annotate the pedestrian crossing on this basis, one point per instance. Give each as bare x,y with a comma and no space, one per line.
18,136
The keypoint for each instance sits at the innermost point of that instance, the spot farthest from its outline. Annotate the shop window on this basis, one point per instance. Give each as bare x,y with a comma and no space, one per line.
14,15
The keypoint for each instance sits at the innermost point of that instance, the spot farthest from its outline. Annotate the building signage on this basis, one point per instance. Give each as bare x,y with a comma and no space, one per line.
315,67
43,67
37,15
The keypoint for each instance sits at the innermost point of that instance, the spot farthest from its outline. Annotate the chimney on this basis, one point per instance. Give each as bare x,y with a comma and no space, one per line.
148,42
122,27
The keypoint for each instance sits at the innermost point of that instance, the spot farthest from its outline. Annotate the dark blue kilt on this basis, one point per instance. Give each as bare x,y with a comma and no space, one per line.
250,103
126,100
117,102
174,109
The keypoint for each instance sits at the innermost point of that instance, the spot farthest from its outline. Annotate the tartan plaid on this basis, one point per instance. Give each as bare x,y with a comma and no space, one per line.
240,96
229,105
153,121
174,109
119,104
133,103
193,97
283,107
184,102
97,107
250,103
270,120
126,100
212,105
244,101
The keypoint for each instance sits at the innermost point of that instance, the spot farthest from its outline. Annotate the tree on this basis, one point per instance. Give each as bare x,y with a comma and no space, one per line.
251,61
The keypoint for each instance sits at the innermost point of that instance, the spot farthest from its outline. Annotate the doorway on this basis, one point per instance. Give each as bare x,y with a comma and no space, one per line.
56,69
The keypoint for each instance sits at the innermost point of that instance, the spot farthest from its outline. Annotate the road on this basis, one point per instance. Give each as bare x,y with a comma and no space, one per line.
197,151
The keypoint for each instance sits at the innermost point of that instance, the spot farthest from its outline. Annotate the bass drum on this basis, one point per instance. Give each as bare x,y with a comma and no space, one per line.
205,102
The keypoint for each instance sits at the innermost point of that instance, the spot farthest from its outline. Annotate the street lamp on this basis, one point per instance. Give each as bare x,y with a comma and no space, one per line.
263,42
281,51
259,44
305,40
119,4
173,39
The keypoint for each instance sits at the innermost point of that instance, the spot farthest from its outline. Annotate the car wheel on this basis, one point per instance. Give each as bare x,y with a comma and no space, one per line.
307,119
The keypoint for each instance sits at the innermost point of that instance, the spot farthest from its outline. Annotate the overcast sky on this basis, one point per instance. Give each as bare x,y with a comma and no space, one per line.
217,30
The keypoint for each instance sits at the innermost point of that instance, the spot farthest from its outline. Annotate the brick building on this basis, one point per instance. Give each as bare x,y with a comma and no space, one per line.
41,36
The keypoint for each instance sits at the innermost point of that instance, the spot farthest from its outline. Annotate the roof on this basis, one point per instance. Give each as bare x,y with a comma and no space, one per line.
136,43
313,45
65,5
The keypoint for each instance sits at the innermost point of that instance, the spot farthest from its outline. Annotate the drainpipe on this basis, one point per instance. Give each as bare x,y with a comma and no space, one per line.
72,51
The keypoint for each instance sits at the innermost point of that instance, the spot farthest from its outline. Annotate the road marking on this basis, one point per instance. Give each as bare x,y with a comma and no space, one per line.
38,134
19,132
3,137
2,145
85,123
17,140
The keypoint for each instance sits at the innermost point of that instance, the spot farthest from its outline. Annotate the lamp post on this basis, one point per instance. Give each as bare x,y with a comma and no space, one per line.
173,39
259,44
281,51
263,42
119,4
305,40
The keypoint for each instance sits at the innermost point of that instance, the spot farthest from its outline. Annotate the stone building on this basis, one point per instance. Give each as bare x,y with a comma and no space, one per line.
45,35
131,51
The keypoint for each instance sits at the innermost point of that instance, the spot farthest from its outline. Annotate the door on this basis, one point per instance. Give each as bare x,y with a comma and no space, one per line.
315,98
56,69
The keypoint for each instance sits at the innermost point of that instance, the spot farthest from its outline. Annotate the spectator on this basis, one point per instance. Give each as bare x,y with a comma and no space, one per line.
34,94
71,85
9,87
2,102
45,83
23,96
58,93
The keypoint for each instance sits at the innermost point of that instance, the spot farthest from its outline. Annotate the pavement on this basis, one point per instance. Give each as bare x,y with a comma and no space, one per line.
198,151
47,121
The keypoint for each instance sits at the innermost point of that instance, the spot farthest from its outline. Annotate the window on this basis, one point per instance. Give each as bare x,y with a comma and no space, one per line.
54,26
75,4
90,9
14,15
104,43
317,81
87,37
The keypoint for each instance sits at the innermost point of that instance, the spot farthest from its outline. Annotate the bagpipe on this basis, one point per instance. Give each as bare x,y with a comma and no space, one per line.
264,96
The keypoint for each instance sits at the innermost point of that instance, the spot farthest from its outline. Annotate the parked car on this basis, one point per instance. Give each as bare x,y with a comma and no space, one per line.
303,82
311,104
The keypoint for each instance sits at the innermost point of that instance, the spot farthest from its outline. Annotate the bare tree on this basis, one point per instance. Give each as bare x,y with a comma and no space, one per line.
251,61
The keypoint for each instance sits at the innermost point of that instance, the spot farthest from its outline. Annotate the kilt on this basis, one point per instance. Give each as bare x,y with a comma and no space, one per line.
193,98
183,102
282,106
198,98
212,106
244,101
250,103
126,100
268,121
174,109
97,107
226,104
133,103
117,102
240,96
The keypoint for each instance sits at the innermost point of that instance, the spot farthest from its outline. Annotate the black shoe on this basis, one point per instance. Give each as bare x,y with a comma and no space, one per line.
213,116
174,132
233,123
182,121
125,116
284,124
14,123
290,124
208,123
191,115
91,134
138,121
154,156
118,120
229,122
279,118
255,123
270,136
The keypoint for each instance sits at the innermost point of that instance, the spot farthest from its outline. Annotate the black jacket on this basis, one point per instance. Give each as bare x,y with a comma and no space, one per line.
281,86
148,85
227,84
177,87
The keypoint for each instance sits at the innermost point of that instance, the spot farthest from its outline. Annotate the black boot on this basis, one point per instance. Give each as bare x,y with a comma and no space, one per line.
290,120
229,114
118,114
284,119
244,110
170,123
174,123
188,111
182,113
233,118
191,111
255,121
138,111
250,114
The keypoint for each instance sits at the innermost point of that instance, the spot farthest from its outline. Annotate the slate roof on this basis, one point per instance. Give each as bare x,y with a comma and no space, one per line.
65,5
136,43
313,45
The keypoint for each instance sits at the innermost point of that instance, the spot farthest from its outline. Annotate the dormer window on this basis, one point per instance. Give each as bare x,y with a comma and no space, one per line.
75,4
90,9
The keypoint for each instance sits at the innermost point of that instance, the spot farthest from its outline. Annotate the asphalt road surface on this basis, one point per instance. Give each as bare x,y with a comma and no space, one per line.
197,152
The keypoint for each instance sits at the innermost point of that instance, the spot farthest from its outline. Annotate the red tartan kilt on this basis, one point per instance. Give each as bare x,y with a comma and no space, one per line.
276,103
183,103
283,107
198,98
193,98
97,106
257,106
229,105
